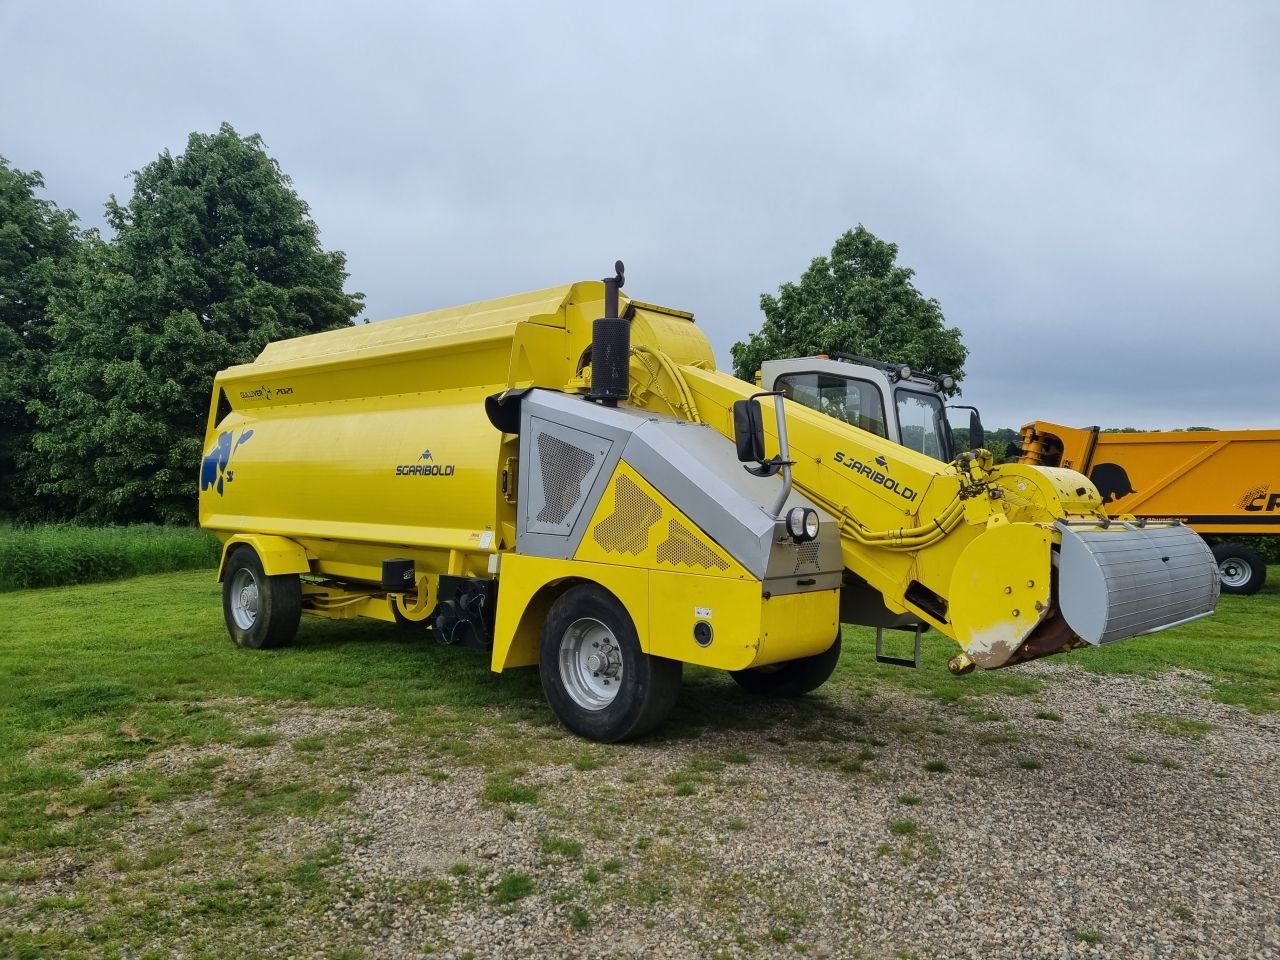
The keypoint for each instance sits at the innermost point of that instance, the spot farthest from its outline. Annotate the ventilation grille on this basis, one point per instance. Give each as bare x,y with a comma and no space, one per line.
626,530
683,549
564,467
807,556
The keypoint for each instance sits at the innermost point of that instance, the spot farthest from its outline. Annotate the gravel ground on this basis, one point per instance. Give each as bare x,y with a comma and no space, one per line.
1105,817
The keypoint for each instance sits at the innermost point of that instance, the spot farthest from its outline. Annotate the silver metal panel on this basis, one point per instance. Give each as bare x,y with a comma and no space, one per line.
605,425
1123,580
563,468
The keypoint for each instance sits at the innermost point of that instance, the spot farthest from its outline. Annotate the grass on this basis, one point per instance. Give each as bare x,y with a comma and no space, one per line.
64,554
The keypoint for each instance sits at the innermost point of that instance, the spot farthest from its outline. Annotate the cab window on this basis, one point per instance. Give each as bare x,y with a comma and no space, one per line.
856,402
921,422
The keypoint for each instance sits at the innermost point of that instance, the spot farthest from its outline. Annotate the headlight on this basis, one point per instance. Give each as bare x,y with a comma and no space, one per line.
802,524
904,372
948,383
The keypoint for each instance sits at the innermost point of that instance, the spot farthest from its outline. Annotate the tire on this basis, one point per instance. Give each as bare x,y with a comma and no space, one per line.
1242,570
629,696
261,611
791,678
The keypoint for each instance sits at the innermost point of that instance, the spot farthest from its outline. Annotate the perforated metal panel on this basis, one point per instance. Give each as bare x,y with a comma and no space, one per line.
683,549
808,557
566,464
564,467
626,530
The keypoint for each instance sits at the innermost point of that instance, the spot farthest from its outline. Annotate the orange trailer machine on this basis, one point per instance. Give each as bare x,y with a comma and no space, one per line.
1222,483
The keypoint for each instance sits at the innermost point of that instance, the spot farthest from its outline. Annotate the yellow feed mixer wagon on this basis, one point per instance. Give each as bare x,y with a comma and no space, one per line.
563,479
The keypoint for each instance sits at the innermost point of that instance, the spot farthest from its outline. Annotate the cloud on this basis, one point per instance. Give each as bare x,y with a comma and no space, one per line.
1089,192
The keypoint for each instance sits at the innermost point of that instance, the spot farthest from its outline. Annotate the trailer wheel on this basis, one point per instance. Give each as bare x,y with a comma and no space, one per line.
1241,568
260,611
791,678
597,679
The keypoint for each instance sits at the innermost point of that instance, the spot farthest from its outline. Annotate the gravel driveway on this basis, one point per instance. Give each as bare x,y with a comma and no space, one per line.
1104,817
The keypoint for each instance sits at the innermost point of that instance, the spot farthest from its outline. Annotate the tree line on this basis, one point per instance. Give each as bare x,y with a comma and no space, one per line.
109,344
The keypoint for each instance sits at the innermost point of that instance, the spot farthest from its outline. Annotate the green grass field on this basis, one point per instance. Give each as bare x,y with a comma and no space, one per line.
95,676
62,554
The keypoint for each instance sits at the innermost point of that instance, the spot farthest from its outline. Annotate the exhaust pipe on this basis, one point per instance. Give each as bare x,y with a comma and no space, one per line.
611,347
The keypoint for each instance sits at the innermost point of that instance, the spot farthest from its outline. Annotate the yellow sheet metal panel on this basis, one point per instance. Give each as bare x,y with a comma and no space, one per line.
636,526
1000,590
279,555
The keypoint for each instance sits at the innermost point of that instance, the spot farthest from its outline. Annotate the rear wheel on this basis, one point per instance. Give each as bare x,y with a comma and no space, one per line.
791,678
1241,568
260,611
597,679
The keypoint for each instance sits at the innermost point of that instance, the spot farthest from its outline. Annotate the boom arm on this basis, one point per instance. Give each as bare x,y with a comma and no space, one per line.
972,549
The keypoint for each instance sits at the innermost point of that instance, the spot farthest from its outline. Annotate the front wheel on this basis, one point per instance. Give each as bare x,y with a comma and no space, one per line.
1241,568
260,611
598,681
791,678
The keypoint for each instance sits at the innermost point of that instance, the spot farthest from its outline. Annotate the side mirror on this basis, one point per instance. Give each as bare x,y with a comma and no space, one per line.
977,436
748,431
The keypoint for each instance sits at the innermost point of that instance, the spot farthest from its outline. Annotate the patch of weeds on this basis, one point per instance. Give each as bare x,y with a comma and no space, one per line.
612,865
644,843
706,765
1102,709
1220,774
308,744
1174,725
512,887
1030,763
685,789
1049,715
209,763
159,857
62,903
735,756
194,827
579,919
461,870
903,828
737,823
264,739
501,788
779,934
1181,912
586,762
983,716
883,850
852,766
591,875
560,846
1090,936
937,766
1136,758
910,800
1170,764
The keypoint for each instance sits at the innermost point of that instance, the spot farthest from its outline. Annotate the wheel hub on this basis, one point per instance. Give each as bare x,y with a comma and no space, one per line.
244,599
590,663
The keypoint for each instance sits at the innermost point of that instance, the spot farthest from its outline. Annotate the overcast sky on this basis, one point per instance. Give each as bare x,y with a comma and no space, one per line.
1091,191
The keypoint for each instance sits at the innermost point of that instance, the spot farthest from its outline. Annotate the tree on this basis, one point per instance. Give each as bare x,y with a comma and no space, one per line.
36,239
857,301
213,257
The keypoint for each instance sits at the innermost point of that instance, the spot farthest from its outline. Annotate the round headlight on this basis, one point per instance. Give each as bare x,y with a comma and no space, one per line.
904,372
802,524
948,383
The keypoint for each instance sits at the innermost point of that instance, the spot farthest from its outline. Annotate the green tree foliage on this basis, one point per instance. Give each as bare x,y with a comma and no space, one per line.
36,239
858,300
213,257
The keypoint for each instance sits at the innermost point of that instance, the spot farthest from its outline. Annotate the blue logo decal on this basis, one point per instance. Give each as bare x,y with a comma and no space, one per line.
215,468
882,463
426,455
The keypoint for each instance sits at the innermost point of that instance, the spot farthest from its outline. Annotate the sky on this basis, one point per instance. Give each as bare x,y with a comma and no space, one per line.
1091,191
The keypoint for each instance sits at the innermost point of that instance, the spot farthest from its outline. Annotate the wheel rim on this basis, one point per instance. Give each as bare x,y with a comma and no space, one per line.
1235,572
244,599
590,664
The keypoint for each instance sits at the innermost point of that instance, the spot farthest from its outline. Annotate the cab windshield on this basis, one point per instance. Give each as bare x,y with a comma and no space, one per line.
922,424
856,402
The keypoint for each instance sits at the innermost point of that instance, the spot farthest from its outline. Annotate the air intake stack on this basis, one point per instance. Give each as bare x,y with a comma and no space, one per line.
611,347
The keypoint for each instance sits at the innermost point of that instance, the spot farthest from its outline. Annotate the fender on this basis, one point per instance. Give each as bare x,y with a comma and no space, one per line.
278,554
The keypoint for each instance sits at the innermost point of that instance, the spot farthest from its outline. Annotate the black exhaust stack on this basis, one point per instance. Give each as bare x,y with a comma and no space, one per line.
611,347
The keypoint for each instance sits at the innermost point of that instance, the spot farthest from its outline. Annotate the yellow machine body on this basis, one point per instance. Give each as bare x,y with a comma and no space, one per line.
347,448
